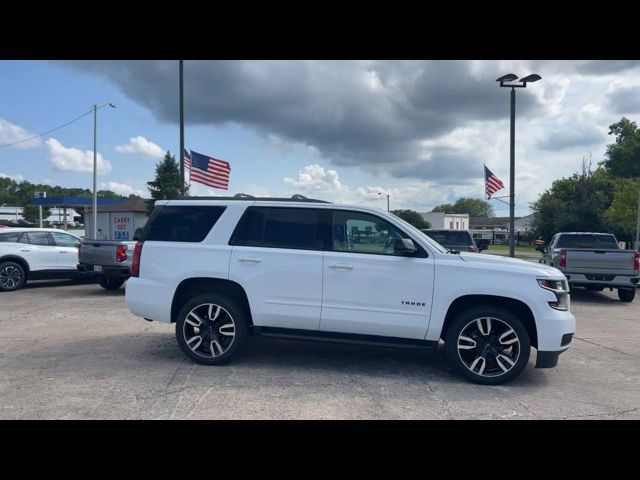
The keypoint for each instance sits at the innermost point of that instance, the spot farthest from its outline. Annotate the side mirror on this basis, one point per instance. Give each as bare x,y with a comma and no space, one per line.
137,234
540,248
405,246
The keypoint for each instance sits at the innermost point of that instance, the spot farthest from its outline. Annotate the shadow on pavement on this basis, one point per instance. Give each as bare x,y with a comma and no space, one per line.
583,296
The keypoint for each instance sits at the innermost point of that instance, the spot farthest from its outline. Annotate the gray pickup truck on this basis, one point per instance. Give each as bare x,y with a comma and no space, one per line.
594,261
108,260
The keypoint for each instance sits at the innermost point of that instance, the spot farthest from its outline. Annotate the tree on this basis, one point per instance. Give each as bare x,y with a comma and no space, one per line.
623,156
624,209
575,204
166,185
412,217
475,207
31,213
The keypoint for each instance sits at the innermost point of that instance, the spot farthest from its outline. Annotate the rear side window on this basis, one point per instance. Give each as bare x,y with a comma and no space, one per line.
278,227
182,223
9,237
588,241
38,238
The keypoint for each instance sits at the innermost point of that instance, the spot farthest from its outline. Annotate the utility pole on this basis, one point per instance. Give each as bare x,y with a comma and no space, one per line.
95,172
181,132
637,246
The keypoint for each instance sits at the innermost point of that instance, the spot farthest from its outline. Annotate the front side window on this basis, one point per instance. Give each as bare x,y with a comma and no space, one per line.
64,240
363,233
280,227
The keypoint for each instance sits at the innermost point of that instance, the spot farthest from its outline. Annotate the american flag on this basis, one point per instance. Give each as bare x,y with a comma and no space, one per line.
492,183
187,160
209,171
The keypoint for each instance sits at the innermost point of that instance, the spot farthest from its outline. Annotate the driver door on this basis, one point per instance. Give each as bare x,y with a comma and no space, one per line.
367,287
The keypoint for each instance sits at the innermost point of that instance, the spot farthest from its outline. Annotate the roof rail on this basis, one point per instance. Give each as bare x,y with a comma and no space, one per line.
243,196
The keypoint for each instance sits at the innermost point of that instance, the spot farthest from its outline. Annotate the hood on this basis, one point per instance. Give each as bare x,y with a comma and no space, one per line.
498,262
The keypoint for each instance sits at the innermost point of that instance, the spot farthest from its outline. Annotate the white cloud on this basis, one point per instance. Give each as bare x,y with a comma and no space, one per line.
315,177
17,178
74,159
122,188
10,133
142,146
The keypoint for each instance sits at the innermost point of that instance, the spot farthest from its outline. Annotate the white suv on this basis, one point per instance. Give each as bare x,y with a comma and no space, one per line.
224,268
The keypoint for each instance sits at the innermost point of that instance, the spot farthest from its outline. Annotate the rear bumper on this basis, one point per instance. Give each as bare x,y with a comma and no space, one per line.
602,280
107,270
149,299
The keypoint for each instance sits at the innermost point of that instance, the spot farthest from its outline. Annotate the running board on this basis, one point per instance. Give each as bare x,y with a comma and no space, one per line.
350,338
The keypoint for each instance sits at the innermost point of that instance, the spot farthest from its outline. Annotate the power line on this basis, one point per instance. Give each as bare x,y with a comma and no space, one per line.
47,132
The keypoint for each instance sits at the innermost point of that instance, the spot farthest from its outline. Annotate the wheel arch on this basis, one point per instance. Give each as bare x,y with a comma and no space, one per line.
199,285
19,260
517,307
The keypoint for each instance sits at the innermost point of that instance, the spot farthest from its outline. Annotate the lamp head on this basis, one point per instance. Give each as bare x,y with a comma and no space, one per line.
509,77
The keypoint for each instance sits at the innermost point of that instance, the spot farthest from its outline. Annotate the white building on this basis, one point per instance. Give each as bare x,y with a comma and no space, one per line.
56,217
447,221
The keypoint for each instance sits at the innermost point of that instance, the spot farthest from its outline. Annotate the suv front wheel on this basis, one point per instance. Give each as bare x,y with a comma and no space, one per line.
211,328
487,345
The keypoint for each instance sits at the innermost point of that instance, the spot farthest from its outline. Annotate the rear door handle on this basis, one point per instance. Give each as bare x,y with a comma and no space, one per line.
249,260
341,266
62,251
25,250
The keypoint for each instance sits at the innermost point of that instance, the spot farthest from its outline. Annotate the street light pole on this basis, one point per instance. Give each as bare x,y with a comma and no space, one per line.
181,133
506,81
512,177
638,222
380,193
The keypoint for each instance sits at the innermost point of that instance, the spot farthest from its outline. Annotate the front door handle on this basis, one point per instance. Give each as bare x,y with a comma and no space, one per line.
25,250
341,266
249,260
62,251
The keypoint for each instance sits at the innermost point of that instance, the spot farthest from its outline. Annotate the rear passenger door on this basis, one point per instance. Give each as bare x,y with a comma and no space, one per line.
67,250
39,251
277,258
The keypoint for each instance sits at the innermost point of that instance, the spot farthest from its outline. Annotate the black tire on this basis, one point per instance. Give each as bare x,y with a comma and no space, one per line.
489,346
626,294
12,276
594,289
214,347
110,283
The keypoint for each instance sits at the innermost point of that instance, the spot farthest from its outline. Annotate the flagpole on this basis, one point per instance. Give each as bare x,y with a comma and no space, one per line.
181,132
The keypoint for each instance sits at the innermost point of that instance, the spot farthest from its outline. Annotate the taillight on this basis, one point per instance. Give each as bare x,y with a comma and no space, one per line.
121,253
563,258
135,261
472,248
636,264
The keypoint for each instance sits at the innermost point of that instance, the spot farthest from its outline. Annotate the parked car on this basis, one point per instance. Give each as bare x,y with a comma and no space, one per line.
35,254
108,260
222,269
594,261
458,240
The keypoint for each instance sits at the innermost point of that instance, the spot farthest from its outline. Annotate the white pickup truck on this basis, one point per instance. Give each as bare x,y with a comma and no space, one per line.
224,268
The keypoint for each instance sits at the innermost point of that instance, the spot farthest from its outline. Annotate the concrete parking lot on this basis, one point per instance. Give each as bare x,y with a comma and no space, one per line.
73,351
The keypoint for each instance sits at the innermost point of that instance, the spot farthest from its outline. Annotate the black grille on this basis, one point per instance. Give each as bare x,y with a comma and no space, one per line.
566,339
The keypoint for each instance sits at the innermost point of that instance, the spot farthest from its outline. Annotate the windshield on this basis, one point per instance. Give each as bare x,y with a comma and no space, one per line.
436,246
586,240
450,237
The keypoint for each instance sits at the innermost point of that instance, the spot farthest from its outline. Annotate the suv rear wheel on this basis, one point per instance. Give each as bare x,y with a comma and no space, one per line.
211,328
12,276
488,345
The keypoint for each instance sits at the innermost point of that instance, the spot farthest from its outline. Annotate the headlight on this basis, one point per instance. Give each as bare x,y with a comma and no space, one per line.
560,289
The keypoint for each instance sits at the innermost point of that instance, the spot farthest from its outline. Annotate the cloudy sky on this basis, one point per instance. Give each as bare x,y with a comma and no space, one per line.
337,130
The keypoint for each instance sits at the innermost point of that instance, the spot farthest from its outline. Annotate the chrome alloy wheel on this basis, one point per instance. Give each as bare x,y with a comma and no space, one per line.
209,330
10,277
488,346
